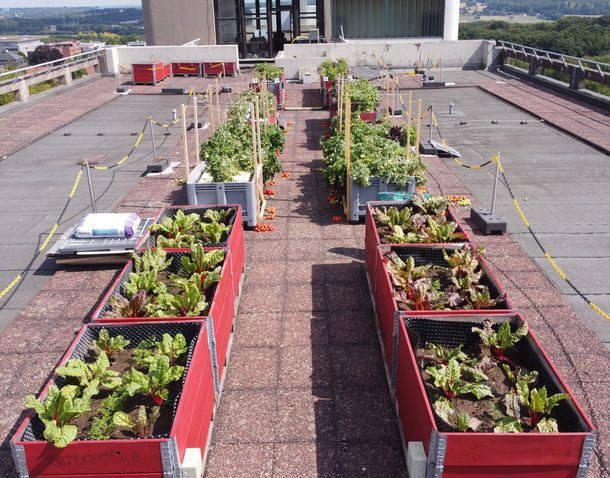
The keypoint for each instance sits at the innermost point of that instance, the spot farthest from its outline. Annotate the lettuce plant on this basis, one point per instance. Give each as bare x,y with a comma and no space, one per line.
102,424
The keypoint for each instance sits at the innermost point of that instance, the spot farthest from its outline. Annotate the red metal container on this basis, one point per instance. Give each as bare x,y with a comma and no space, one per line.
148,73
491,455
235,241
227,68
368,116
167,70
186,69
372,239
387,308
150,458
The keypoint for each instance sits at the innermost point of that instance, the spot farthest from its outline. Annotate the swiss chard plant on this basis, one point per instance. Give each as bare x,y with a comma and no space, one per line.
143,424
59,409
172,347
97,374
161,373
110,345
453,287
501,340
185,230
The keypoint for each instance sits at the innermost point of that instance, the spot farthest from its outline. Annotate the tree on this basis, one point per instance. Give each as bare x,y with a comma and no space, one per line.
43,54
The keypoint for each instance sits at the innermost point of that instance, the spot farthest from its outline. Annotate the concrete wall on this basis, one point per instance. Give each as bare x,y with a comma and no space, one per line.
399,54
125,56
177,22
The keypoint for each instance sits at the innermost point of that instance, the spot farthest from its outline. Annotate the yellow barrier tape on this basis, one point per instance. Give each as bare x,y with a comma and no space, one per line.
13,283
46,242
100,168
125,158
523,218
546,254
78,176
139,139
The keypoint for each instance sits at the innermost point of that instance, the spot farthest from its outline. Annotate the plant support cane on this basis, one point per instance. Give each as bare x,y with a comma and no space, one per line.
196,123
186,147
348,127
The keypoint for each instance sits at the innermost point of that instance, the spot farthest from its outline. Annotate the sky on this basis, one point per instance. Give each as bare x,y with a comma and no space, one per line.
67,3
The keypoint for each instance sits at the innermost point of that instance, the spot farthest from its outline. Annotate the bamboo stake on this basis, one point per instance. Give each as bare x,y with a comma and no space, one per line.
258,132
218,103
186,146
208,92
196,123
348,144
409,125
418,130
387,99
340,104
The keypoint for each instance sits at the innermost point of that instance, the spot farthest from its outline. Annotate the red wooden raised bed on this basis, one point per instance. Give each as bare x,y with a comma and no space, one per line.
149,73
235,241
157,457
186,69
487,455
368,116
216,68
387,308
372,239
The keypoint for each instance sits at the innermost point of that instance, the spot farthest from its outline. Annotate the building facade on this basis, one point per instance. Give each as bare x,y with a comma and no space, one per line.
260,28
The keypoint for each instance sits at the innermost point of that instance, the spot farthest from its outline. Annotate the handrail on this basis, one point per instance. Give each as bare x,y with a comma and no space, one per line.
60,61
581,63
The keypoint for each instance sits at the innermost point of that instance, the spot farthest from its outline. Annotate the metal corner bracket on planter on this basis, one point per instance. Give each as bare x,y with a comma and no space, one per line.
360,195
158,456
453,454
242,193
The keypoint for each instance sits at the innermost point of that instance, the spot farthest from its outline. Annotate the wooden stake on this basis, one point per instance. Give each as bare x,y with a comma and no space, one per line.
196,123
340,104
186,146
418,130
218,103
208,92
409,125
348,144
387,99
258,132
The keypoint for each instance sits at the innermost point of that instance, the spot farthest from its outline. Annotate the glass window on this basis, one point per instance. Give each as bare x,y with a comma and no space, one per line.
227,31
227,9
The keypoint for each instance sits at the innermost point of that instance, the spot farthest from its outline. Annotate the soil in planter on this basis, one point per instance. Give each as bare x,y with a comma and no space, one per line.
480,409
121,362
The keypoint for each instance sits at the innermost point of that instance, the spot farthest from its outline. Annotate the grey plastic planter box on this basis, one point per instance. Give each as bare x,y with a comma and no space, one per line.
361,195
243,193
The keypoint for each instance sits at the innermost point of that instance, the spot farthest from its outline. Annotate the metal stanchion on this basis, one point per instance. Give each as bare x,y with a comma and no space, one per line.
493,198
152,137
91,193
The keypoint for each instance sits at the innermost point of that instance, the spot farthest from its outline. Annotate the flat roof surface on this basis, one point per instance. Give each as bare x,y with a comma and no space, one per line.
35,183
561,183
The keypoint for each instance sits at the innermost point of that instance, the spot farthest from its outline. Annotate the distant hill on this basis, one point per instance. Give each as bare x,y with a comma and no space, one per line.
548,9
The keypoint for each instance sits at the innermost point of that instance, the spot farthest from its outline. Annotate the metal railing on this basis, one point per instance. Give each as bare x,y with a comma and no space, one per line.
563,60
43,68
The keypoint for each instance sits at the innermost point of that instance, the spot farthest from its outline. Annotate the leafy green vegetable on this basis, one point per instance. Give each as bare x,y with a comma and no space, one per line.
172,347
268,71
59,408
501,340
97,373
154,383
144,423
102,425
110,345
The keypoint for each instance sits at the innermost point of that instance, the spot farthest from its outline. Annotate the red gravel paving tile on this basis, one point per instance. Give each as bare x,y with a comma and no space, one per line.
530,280
305,231
374,459
37,368
348,297
352,328
245,416
256,330
520,264
271,273
365,415
344,273
503,249
305,415
261,251
240,460
252,367
358,366
261,298
12,363
306,460
300,272
304,329
305,366
300,297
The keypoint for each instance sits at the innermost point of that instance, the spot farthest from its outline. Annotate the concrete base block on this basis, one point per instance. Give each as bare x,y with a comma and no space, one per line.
158,166
487,222
434,84
192,465
173,91
416,459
